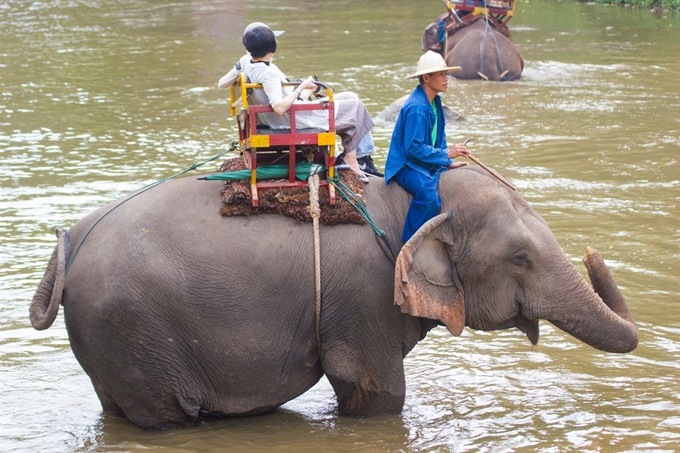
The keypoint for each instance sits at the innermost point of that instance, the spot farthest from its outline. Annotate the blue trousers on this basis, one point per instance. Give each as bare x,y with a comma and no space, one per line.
366,146
426,201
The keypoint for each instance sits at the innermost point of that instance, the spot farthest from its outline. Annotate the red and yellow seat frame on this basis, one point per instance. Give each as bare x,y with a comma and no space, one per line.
498,11
268,146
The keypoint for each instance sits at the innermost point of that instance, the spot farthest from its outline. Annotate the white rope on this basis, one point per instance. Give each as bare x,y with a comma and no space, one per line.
316,213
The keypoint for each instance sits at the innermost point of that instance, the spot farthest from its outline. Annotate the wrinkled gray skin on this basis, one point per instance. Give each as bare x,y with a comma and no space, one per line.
173,310
480,50
391,112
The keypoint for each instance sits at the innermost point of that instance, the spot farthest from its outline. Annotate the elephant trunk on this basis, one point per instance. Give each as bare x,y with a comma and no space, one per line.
601,317
47,298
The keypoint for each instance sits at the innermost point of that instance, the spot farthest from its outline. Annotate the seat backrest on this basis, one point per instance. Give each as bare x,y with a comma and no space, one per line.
238,93
240,103
241,89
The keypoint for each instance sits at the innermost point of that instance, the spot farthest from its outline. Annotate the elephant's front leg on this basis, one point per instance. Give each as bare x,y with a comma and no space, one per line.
368,381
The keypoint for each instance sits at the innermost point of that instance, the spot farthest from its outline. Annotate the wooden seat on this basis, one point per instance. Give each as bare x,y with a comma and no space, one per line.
497,11
267,131
267,146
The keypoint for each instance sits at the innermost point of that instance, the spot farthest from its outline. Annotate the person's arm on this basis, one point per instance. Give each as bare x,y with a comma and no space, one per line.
286,102
307,88
458,150
283,104
230,77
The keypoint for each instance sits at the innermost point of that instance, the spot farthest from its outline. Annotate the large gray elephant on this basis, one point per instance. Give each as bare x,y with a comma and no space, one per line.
480,48
173,310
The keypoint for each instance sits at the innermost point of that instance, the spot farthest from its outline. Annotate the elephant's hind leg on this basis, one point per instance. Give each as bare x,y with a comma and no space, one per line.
160,414
163,410
107,402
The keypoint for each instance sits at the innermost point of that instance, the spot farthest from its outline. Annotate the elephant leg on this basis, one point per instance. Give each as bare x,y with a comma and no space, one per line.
154,393
165,407
166,404
367,382
107,402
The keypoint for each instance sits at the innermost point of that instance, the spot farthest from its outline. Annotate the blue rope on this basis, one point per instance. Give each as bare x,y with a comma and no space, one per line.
441,31
341,187
356,203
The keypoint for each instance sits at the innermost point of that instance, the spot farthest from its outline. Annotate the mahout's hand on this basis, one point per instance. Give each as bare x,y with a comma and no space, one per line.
458,150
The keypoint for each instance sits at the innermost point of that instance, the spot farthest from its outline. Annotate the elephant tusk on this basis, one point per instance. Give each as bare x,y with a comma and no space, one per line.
482,76
503,74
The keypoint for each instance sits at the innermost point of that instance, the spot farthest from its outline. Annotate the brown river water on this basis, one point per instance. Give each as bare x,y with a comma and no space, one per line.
100,98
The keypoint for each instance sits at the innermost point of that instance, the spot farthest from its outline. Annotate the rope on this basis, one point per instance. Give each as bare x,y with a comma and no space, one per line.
482,47
353,199
498,53
315,211
234,145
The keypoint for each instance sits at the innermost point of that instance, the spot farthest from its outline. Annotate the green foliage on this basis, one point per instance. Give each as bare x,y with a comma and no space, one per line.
665,4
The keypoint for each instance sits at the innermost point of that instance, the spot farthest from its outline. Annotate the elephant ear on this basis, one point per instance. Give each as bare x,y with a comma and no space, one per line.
425,282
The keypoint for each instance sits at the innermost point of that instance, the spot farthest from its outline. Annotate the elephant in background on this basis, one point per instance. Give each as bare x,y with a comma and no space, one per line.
173,310
391,112
480,47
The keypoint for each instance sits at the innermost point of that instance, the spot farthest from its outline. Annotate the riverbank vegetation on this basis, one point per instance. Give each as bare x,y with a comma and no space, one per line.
673,5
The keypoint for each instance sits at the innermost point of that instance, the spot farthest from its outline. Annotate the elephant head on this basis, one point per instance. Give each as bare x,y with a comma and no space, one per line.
503,268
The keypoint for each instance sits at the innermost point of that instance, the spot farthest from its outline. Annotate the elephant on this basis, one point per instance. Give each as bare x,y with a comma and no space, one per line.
391,112
175,311
481,49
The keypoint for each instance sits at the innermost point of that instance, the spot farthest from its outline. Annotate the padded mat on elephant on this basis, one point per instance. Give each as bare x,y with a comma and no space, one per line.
289,201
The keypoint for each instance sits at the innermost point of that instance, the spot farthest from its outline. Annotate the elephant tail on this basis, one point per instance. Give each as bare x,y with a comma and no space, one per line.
48,296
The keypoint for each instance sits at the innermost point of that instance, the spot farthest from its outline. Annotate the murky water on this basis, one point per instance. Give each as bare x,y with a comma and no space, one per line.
99,98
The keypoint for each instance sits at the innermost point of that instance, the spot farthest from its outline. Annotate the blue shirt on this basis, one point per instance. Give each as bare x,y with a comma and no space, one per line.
411,143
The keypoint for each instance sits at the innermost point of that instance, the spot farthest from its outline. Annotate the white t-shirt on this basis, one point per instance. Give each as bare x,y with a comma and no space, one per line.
271,77
231,77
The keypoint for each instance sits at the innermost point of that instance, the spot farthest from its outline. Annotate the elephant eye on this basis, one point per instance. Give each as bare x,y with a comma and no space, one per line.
522,259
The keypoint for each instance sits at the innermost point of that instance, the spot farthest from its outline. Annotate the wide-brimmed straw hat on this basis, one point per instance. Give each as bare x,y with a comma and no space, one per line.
261,24
432,62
